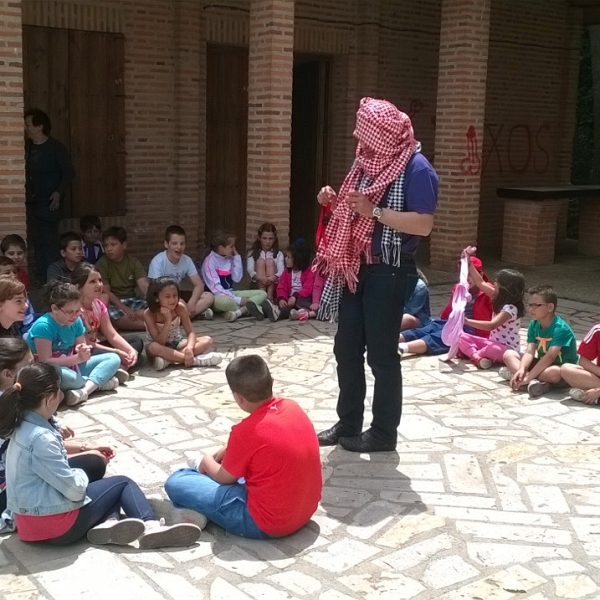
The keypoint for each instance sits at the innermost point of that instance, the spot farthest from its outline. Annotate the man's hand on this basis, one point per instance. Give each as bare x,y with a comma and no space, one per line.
54,201
327,196
361,204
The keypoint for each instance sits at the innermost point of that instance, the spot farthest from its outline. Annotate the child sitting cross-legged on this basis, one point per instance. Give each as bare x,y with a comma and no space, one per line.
122,275
585,377
220,270
165,316
296,285
427,339
507,301
58,338
550,344
175,263
57,504
100,333
274,449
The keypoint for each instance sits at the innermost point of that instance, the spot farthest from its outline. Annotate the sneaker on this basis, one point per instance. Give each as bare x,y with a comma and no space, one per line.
122,375
537,388
208,314
194,461
75,397
111,384
293,315
579,395
229,315
254,311
160,363
303,315
210,359
271,311
172,515
180,535
484,363
505,373
121,532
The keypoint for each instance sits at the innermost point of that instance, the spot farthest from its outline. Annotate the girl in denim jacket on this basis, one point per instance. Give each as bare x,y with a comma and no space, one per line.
55,503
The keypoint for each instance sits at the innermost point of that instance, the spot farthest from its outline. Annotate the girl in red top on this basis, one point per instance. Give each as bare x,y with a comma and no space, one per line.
296,284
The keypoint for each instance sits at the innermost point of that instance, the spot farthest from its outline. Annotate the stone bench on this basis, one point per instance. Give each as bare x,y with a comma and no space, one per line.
530,221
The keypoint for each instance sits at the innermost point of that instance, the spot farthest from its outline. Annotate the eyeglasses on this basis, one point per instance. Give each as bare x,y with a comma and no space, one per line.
70,313
538,304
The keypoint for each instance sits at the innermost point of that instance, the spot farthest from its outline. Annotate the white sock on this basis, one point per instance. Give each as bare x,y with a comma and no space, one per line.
403,347
241,311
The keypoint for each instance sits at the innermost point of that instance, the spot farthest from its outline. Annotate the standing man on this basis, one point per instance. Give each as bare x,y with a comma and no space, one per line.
385,205
49,173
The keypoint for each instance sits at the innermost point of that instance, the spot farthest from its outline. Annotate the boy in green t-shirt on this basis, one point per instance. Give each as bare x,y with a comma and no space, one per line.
550,343
121,274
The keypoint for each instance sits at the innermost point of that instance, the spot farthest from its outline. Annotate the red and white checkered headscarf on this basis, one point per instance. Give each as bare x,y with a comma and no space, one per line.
388,133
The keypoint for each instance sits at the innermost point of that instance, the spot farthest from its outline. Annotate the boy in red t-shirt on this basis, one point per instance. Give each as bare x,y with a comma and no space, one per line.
585,377
274,451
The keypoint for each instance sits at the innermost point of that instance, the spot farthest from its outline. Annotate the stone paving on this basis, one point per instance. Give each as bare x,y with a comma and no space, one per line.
490,495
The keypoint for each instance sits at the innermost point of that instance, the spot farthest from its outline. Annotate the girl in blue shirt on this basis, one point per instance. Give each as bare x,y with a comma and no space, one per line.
58,338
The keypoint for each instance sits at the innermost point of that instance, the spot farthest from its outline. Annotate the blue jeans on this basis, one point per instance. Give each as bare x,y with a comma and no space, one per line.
370,319
226,505
108,497
99,369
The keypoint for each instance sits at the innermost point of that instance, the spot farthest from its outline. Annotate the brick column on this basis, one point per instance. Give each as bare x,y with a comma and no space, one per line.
464,40
367,48
189,121
271,61
12,167
530,231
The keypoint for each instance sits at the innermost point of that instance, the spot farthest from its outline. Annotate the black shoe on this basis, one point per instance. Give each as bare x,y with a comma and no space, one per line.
254,311
330,436
365,442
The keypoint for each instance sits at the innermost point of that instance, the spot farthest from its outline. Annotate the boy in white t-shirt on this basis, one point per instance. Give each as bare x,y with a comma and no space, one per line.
174,263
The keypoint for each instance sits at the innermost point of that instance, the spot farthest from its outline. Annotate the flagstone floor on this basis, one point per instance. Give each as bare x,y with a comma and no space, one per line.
490,495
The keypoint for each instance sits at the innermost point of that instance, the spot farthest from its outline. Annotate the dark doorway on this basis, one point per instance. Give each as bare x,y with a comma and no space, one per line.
310,143
76,77
226,139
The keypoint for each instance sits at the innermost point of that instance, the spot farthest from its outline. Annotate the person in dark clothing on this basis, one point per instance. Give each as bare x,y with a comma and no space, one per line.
49,173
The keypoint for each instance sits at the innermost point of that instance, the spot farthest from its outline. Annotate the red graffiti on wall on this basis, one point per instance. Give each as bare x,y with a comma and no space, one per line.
471,165
517,148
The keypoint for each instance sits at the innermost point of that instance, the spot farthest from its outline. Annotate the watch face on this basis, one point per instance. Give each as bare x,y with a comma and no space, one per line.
377,212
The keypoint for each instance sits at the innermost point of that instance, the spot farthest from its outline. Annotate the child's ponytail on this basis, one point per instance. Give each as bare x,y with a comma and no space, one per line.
34,383
11,410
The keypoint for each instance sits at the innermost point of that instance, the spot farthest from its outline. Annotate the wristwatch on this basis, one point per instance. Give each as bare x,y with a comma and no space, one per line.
377,212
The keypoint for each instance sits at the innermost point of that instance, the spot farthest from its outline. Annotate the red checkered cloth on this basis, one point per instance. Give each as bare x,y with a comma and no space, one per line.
388,134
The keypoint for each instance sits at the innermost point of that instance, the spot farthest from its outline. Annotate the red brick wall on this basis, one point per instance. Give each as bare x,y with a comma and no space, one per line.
531,75
12,176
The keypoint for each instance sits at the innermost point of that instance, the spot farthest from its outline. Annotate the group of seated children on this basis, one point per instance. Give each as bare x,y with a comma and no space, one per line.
267,483
492,320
